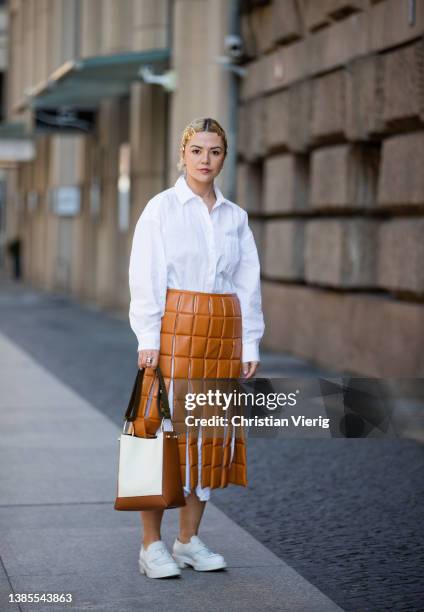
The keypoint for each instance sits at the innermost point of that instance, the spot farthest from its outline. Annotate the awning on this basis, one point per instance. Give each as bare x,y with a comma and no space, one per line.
84,83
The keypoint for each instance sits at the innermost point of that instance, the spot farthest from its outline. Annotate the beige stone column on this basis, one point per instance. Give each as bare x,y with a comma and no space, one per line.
199,29
148,109
65,231
109,140
90,219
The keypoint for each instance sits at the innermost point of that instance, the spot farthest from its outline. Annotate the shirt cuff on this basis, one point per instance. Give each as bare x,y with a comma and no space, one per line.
149,341
250,351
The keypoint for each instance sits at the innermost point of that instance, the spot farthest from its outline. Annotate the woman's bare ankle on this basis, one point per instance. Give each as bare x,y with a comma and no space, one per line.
149,540
185,537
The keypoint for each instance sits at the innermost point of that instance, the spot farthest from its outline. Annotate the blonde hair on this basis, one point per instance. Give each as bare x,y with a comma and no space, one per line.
203,124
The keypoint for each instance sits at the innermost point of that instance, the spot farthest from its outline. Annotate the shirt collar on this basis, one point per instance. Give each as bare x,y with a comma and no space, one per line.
184,193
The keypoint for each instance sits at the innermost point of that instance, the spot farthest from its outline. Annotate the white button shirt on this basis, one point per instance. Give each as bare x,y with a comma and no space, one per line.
177,243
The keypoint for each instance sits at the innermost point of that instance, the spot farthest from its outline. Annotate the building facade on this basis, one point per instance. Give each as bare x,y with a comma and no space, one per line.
331,147
323,103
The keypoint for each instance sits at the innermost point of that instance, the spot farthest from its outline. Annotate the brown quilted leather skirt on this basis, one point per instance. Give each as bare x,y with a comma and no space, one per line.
200,339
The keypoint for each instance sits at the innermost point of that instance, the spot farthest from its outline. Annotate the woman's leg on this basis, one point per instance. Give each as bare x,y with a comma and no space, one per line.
151,520
190,517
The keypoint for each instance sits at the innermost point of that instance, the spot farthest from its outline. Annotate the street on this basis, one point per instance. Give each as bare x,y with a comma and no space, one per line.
343,516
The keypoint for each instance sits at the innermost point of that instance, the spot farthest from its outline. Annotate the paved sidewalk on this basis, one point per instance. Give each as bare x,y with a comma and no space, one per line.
59,532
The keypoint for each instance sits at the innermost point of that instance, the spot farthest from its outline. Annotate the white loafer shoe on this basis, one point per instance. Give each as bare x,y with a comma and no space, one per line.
196,554
156,562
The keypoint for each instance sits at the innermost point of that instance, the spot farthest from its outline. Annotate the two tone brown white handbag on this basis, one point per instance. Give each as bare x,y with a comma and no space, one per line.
149,475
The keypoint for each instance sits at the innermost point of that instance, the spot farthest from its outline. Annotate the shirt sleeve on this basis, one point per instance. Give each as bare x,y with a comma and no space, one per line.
147,281
246,280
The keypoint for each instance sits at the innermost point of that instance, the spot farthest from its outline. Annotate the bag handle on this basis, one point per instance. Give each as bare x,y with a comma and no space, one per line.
163,401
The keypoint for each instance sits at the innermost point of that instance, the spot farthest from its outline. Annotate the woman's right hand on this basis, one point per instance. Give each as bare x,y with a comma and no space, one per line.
142,358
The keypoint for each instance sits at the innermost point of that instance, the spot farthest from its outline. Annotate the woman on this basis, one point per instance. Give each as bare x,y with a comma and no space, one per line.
196,311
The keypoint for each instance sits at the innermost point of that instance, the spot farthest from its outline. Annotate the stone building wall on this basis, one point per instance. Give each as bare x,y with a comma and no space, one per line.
331,159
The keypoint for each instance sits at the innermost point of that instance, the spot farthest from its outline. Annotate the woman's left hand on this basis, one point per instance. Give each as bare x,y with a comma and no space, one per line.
249,368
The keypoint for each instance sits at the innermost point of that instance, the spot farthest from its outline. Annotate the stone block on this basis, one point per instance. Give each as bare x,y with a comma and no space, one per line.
341,253
344,176
383,337
315,14
300,96
249,186
358,333
340,9
278,120
335,46
254,81
403,78
242,190
257,227
328,107
249,42
287,118
401,256
401,180
318,324
283,249
257,137
286,22
364,98
393,23
242,129
285,183
261,22
253,129
283,66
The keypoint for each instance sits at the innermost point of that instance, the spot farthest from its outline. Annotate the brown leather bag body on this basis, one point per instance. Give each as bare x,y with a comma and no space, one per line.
135,473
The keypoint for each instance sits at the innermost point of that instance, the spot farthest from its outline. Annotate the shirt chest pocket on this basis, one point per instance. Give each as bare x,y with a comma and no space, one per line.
230,252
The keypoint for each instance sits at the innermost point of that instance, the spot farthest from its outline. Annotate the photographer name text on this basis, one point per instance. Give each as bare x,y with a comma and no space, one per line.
268,421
